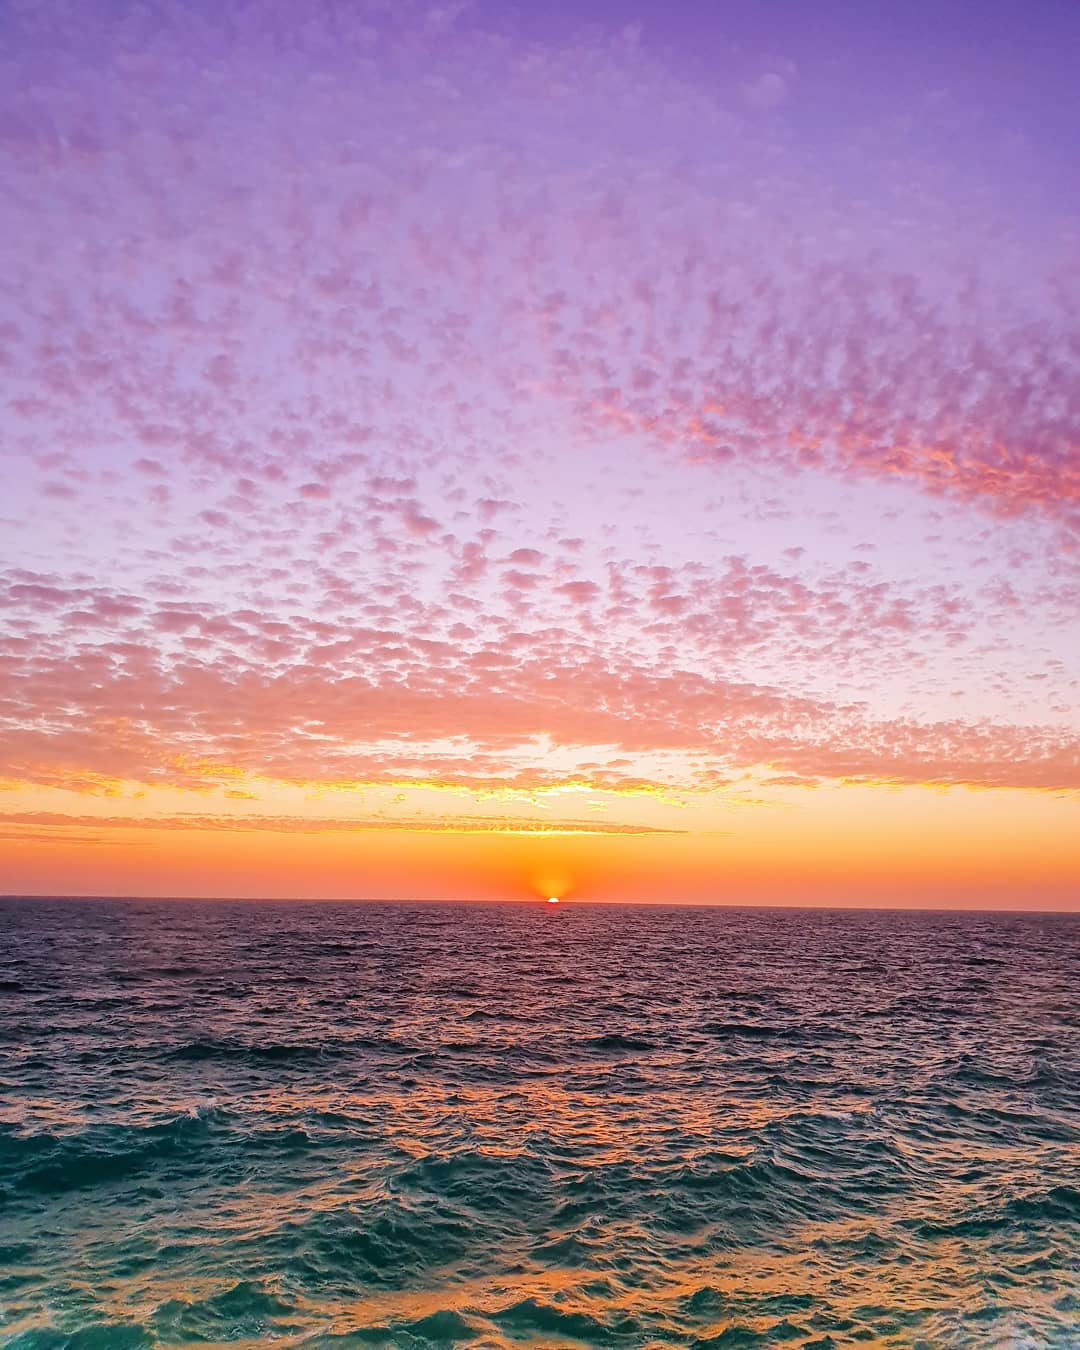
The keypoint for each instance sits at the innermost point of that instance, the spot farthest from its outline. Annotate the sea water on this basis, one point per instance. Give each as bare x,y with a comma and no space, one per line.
422,1125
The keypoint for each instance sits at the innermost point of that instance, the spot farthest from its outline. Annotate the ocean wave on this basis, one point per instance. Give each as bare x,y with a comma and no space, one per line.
246,1310
530,1317
486,1184
386,1243
627,1128
1052,1208
267,1050
444,1327
92,1336
751,1031
52,1164
294,1053
617,1040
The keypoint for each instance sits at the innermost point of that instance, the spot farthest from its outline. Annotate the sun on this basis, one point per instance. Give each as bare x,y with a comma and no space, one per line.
550,884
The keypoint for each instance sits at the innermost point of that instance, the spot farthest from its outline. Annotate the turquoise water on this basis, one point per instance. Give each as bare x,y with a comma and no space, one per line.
365,1125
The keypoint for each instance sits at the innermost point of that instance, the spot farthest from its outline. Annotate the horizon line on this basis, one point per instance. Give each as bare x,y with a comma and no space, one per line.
540,900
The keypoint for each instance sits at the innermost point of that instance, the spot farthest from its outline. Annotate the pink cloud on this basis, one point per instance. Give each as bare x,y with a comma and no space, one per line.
450,417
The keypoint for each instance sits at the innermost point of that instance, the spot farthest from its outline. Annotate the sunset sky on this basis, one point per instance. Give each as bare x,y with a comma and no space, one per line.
629,453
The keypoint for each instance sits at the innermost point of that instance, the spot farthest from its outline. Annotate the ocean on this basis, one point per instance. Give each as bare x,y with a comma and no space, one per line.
356,1125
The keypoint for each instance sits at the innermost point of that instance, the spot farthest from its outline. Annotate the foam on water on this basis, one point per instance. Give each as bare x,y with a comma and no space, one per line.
333,1125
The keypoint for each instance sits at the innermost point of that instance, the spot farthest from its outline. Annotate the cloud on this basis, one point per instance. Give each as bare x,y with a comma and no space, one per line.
62,824
479,427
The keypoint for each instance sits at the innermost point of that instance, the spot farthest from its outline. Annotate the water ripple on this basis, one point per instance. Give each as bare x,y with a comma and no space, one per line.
323,1125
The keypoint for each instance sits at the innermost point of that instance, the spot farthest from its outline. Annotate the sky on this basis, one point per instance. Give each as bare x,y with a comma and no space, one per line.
624,452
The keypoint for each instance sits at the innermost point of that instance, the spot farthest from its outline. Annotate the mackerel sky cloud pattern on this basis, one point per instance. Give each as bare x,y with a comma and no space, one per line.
439,416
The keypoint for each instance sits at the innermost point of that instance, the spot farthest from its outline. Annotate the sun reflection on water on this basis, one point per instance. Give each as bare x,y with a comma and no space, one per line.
438,1125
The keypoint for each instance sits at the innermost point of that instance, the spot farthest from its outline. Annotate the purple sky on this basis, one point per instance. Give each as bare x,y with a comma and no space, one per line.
462,399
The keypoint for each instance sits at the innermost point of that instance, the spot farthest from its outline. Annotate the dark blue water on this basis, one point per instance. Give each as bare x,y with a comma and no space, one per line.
364,1125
